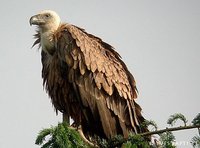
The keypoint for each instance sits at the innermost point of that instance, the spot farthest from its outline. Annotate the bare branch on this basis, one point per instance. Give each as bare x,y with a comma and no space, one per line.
170,129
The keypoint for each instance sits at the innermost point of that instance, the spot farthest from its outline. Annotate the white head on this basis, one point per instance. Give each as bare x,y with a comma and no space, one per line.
46,20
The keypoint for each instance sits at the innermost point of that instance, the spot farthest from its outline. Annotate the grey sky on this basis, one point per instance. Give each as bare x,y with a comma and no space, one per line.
158,40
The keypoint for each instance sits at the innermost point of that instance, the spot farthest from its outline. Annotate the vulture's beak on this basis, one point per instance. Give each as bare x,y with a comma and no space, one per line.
36,20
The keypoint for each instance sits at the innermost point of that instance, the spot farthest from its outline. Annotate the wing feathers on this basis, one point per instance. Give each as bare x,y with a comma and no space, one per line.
102,79
97,57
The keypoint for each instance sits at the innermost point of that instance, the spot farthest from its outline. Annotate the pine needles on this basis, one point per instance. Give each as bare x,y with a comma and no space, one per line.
196,120
151,123
167,140
195,141
173,118
62,136
59,137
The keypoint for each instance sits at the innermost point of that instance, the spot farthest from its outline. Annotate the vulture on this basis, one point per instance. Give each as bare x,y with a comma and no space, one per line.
86,79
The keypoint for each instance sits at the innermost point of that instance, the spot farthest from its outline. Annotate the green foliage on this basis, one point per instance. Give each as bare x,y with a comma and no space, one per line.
116,141
195,141
167,140
148,123
196,120
173,118
41,136
136,141
133,141
59,137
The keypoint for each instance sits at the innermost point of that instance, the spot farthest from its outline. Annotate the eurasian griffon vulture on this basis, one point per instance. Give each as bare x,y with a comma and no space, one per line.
86,79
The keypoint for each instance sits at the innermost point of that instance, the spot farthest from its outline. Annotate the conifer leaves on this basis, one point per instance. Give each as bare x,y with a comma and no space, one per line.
59,137
173,118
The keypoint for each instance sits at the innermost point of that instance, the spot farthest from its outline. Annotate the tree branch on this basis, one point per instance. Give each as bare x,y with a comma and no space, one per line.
169,129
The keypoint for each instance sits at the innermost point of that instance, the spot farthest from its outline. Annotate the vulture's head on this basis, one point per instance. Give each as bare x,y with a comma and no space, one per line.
46,20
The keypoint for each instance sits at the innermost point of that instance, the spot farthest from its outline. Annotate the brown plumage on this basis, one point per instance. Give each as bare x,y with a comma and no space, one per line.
86,79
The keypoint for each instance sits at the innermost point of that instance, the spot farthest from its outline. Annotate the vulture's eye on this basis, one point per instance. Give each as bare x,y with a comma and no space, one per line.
47,15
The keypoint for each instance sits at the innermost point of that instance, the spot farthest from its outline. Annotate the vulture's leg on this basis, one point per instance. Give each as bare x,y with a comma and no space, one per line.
66,118
79,129
84,138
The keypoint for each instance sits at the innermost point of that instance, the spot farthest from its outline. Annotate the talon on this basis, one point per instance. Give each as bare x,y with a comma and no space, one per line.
84,138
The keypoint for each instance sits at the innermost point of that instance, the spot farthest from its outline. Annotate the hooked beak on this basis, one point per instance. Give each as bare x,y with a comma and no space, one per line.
36,20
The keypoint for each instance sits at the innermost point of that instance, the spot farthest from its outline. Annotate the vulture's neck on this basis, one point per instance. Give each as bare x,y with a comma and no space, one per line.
47,40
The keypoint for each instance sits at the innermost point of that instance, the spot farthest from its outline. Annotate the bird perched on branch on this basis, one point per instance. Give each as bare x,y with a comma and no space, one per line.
86,79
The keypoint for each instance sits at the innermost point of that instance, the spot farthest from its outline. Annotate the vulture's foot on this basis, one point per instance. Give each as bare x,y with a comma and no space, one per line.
84,138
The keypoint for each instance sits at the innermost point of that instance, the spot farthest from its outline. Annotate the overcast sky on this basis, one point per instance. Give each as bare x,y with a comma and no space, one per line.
158,40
